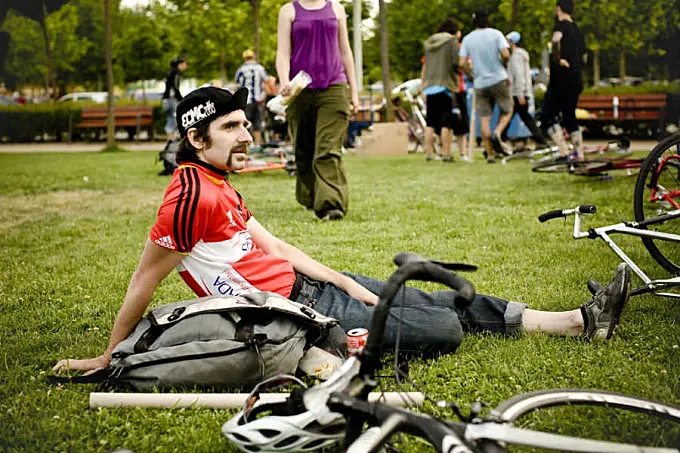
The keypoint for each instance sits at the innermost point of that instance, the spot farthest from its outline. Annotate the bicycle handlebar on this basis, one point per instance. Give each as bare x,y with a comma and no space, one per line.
412,267
581,209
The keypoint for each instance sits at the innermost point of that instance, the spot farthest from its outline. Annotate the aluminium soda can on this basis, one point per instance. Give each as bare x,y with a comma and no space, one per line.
356,340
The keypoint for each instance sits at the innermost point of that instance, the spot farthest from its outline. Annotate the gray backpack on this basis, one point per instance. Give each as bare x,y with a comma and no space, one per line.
224,342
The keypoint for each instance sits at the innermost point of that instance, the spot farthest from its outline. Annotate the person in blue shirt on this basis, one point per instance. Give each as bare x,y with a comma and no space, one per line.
482,56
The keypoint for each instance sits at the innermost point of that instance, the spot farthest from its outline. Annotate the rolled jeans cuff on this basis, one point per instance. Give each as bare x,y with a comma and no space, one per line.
513,317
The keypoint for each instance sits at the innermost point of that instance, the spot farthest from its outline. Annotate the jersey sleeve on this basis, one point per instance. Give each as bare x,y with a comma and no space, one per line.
502,42
183,215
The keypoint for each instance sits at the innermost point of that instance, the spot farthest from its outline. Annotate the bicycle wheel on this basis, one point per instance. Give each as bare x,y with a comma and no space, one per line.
657,193
658,422
589,167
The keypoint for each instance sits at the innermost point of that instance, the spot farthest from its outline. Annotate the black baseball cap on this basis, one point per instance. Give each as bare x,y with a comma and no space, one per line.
566,5
205,104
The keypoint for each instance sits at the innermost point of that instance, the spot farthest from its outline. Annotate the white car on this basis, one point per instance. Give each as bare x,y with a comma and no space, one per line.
98,97
413,86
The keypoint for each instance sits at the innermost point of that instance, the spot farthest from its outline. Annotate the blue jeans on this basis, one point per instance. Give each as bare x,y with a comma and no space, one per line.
170,108
431,324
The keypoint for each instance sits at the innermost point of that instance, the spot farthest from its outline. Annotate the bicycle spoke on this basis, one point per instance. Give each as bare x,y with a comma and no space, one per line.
657,193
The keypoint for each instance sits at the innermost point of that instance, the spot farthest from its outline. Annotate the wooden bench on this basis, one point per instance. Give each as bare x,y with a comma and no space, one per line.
132,118
632,109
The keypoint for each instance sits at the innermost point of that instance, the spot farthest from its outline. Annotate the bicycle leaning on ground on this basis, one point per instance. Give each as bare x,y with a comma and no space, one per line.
662,287
550,154
313,418
656,203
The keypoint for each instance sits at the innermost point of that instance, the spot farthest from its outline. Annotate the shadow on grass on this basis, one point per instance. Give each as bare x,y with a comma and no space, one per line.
114,149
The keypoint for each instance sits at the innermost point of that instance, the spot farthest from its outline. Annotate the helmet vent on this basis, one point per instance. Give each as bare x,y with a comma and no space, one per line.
287,441
269,433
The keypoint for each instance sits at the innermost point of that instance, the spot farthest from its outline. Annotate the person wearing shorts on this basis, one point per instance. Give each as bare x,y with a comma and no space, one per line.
441,82
486,49
253,75
566,84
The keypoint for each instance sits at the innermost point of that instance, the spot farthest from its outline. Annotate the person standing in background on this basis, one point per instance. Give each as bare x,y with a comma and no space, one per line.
440,81
312,37
172,96
253,75
488,52
519,74
565,85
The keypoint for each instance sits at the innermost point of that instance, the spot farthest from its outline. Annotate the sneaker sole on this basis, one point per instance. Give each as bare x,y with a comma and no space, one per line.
625,291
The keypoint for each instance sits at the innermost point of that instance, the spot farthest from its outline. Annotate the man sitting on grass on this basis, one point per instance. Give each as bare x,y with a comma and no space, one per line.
205,230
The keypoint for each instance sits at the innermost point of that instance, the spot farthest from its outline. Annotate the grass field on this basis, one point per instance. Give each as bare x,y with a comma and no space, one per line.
70,245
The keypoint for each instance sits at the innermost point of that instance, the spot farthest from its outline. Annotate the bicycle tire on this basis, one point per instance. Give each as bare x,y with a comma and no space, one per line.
657,192
512,409
589,167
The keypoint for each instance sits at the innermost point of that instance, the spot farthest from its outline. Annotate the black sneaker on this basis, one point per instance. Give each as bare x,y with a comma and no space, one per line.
333,214
499,146
602,312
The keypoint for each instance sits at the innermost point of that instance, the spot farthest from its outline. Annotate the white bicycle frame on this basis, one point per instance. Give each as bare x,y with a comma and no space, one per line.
632,229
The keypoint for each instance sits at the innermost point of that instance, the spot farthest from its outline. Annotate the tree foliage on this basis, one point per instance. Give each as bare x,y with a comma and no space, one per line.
633,35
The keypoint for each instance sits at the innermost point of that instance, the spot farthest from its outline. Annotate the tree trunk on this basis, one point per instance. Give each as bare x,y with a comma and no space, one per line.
385,61
255,4
622,64
596,67
51,88
108,49
223,64
515,14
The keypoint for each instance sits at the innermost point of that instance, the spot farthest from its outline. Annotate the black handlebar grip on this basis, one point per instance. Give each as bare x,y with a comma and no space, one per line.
587,209
407,257
554,214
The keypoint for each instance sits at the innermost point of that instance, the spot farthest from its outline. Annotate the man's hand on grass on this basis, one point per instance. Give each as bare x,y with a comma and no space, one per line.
87,365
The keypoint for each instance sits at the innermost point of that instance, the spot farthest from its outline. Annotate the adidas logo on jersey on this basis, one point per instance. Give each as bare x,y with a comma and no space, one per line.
166,242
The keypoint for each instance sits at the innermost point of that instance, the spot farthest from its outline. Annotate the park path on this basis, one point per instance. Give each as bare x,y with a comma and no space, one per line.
80,147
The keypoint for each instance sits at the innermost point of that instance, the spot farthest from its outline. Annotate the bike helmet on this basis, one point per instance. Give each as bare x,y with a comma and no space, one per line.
276,430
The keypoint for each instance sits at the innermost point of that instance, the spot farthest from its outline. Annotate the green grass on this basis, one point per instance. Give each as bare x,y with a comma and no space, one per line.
70,246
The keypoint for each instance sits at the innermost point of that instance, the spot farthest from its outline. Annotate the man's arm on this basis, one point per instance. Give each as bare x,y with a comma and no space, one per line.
464,64
503,48
505,55
305,264
154,265
284,46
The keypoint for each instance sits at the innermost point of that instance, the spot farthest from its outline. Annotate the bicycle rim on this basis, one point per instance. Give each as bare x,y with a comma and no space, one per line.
589,167
657,192
644,411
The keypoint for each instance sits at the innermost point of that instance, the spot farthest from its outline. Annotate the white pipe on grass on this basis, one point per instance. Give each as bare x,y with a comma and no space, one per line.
226,400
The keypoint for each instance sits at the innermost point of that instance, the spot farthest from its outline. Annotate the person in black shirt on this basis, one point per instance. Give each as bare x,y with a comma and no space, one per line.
566,84
172,96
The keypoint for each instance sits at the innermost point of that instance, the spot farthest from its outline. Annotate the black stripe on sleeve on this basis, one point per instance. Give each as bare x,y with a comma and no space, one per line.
195,196
185,212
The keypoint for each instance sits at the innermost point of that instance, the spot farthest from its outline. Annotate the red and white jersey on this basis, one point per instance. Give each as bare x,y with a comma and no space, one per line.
204,218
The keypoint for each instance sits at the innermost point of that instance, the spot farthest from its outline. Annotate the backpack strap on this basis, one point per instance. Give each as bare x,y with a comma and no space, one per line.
258,300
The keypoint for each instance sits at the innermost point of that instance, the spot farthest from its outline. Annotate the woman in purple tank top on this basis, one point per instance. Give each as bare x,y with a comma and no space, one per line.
312,37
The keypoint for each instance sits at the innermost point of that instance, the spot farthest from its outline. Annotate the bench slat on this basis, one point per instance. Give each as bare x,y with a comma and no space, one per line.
95,117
